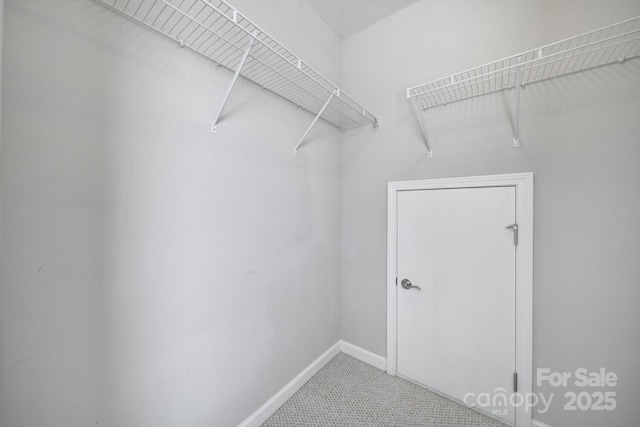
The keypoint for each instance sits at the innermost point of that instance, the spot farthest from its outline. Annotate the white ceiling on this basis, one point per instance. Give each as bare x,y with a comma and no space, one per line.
347,17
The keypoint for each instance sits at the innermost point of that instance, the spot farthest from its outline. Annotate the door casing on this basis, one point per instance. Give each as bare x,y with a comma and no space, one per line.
523,182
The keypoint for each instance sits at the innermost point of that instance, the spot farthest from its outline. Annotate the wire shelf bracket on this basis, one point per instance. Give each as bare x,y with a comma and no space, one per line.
516,115
423,127
214,124
217,31
295,150
616,43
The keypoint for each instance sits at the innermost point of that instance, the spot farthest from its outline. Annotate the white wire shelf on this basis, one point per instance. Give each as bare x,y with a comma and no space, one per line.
604,46
608,45
217,31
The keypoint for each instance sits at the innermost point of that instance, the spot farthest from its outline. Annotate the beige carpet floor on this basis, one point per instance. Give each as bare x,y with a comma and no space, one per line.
348,392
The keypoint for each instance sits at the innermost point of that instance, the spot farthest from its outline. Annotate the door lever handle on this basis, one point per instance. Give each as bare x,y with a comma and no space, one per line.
406,283
514,227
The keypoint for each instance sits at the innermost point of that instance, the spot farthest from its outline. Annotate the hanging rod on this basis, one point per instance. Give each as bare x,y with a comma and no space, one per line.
216,30
607,45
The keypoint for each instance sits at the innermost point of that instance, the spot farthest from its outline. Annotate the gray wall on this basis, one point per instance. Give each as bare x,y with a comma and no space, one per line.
579,137
154,274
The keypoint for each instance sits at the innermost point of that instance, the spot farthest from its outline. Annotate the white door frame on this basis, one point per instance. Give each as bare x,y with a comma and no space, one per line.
523,182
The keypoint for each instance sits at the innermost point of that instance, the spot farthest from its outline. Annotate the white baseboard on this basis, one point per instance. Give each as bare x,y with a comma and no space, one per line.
265,411
364,355
536,423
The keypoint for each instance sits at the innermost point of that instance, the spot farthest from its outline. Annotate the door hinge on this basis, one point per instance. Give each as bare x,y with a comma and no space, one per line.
515,382
515,233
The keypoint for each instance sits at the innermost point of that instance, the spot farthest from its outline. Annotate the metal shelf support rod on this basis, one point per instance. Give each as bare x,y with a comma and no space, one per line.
423,127
295,150
214,125
516,125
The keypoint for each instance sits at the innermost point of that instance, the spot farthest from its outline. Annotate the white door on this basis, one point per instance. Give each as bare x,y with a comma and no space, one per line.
456,335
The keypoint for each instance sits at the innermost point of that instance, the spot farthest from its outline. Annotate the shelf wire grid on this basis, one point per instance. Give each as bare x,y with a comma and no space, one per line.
217,31
615,43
